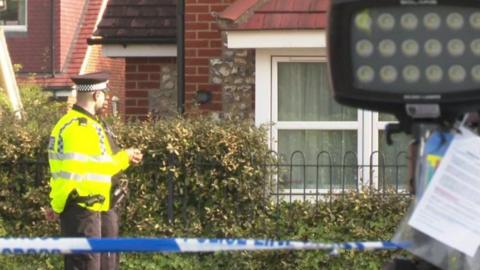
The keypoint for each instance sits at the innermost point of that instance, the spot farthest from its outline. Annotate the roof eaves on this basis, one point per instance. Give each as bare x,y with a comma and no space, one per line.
126,41
260,29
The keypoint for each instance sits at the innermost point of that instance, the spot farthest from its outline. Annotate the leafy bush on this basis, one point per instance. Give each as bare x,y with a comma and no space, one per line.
23,173
217,174
27,139
23,160
353,217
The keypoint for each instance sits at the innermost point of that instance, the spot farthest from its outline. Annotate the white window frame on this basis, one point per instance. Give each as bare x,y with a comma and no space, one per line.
367,125
356,126
18,28
378,125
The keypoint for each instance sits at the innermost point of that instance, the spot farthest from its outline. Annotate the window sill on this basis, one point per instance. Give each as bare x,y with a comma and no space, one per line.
14,28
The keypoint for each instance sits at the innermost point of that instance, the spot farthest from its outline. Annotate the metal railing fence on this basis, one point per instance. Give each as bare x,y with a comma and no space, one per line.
291,178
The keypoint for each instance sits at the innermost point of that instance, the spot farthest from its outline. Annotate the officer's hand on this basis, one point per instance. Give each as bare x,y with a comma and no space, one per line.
49,214
135,156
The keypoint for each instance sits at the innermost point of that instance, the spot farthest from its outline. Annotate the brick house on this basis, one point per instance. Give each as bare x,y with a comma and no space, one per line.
48,39
143,34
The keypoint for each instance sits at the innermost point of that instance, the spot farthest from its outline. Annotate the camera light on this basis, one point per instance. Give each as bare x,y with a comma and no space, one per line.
364,48
432,21
457,73
395,55
411,74
476,73
410,47
409,21
456,47
365,74
455,21
363,21
475,46
387,47
475,20
434,73
433,47
386,21
388,74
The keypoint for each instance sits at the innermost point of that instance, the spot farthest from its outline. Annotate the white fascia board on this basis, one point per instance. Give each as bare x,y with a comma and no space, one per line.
139,50
276,39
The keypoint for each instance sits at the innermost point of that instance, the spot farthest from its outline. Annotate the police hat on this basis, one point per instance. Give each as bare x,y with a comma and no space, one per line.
96,81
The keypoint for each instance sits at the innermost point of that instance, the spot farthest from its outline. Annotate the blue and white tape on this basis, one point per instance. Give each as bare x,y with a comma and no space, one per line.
174,245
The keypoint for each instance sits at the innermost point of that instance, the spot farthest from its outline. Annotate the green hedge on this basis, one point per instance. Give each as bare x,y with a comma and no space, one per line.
220,190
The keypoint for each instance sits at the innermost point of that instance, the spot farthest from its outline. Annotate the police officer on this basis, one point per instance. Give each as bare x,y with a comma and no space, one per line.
82,162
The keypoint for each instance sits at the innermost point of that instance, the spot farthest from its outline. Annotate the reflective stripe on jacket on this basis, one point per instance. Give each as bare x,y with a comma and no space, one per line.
81,158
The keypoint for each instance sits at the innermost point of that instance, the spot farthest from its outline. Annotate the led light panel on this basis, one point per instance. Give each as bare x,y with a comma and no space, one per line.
414,48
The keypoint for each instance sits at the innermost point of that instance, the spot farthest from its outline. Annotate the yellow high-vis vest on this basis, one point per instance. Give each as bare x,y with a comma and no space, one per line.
81,159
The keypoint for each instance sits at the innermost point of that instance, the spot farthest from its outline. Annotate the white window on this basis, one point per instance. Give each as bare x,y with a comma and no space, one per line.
322,143
14,16
394,157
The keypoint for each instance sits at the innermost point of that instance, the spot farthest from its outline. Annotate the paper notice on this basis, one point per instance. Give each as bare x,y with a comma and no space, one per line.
449,211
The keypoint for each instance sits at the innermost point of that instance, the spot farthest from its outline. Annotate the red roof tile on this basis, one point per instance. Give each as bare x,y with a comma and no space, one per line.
235,10
285,15
295,6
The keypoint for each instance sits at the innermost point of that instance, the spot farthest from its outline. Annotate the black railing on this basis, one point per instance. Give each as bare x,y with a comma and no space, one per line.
288,179
302,180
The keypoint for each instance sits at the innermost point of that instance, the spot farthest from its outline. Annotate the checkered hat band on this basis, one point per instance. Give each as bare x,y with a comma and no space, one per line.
90,87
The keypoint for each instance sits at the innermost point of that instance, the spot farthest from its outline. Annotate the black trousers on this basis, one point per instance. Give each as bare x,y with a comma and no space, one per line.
110,226
76,221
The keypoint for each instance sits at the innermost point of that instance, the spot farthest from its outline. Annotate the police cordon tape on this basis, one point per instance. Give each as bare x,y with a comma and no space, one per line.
175,245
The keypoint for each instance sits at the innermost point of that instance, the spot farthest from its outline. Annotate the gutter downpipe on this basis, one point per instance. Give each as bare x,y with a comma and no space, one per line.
181,56
52,37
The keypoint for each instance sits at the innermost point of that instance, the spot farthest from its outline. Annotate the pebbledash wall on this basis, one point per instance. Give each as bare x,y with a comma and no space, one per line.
227,74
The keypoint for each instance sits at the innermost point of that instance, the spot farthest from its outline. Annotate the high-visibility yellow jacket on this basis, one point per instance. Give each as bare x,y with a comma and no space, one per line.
81,158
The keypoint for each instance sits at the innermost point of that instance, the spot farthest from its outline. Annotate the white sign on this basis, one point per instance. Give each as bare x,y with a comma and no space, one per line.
449,211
